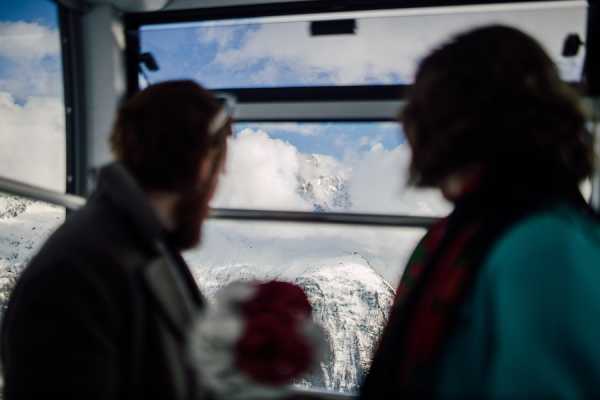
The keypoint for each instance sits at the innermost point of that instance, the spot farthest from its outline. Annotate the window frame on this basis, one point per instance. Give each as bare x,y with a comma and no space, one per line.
134,21
70,33
73,80
74,84
70,25
300,104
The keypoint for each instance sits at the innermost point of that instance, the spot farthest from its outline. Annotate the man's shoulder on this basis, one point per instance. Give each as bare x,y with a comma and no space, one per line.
92,238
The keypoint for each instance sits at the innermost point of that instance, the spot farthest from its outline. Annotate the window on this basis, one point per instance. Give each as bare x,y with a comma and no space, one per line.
384,48
32,143
349,276
32,126
335,167
311,136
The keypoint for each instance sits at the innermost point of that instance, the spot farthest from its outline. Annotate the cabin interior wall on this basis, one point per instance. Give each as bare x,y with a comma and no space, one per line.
104,69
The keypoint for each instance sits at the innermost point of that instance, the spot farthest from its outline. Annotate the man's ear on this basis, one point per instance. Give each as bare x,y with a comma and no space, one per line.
205,169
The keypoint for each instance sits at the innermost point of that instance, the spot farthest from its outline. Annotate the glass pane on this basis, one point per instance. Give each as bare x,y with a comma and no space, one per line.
24,227
337,167
349,274
32,126
385,49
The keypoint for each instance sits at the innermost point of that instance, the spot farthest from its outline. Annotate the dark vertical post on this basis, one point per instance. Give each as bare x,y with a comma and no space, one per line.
132,58
74,86
592,58
592,81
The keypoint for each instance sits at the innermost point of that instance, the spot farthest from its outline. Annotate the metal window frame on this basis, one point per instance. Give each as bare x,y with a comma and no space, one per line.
70,23
136,20
293,98
74,202
301,104
306,104
592,59
74,98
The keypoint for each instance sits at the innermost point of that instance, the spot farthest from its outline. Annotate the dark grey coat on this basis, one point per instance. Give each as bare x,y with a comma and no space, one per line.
102,311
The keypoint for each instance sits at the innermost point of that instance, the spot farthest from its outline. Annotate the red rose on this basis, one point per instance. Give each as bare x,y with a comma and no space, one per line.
279,298
271,351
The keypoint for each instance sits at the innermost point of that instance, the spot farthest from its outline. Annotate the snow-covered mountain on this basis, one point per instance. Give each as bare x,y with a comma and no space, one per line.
322,181
342,270
350,300
352,303
24,226
328,184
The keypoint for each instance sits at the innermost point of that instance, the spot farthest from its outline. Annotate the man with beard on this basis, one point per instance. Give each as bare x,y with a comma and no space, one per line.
102,311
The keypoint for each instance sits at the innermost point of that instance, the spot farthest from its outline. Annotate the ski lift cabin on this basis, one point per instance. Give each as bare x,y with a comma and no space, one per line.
310,193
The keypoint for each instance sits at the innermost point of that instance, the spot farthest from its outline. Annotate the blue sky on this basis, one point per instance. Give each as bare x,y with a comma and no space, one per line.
271,52
30,62
339,140
185,52
41,11
386,48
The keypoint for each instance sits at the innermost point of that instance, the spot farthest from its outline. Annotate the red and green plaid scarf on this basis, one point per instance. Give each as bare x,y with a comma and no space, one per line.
448,281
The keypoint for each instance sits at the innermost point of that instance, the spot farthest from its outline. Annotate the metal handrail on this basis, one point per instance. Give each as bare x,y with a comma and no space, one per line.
72,203
16,188
405,221
322,394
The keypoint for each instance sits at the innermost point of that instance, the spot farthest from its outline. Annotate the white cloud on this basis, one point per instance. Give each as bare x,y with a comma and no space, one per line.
32,79
32,141
296,128
280,249
260,173
30,54
222,36
263,173
24,41
384,49
378,183
266,173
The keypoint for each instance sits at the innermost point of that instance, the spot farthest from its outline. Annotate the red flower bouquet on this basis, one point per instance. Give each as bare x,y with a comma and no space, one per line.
255,340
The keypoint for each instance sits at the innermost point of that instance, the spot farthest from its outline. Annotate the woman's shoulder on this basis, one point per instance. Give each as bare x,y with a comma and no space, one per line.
546,244
560,230
536,289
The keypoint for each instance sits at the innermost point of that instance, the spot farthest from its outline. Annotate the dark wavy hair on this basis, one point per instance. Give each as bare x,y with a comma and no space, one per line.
161,134
492,97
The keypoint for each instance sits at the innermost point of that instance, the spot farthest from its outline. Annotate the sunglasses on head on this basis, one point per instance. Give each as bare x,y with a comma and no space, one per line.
225,114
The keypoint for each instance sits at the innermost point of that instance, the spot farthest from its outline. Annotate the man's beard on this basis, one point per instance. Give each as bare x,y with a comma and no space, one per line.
189,213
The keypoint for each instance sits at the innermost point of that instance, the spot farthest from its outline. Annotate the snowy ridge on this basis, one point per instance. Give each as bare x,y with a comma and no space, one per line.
322,181
338,268
24,226
350,300
352,303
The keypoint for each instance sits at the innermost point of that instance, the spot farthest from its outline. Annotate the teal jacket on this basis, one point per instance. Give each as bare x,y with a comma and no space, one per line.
531,326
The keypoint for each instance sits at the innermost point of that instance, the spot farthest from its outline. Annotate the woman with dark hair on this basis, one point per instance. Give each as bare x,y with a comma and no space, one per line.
501,299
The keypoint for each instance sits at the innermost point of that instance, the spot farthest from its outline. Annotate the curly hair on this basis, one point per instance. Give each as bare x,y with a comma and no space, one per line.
161,134
492,97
